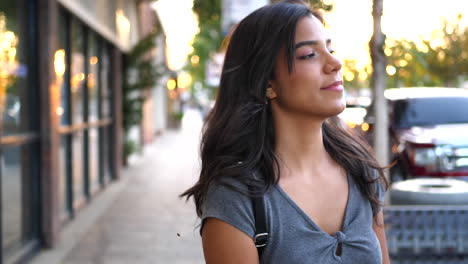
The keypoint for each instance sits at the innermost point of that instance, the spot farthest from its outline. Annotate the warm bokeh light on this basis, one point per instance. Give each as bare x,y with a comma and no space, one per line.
349,76
180,25
194,59
93,60
365,127
391,70
171,84
59,111
76,81
184,80
91,80
59,62
402,63
363,75
123,26
388,51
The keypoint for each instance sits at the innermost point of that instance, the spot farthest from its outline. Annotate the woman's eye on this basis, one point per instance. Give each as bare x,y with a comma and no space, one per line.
308,56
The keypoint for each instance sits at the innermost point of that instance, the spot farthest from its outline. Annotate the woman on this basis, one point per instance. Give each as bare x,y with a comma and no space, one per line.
274,132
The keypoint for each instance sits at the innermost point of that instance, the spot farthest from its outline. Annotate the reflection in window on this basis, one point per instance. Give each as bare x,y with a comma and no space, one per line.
77,72
13,73
93,62
62,72
10,163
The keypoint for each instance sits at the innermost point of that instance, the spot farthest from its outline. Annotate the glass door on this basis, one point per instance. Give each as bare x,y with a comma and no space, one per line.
19,129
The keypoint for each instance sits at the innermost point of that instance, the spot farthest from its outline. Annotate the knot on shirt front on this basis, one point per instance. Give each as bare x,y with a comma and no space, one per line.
340,236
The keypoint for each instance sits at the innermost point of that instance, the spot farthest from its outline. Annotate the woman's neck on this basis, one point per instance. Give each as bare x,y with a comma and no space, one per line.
299,145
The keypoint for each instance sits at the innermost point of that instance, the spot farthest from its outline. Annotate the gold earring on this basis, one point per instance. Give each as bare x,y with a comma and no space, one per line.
270,94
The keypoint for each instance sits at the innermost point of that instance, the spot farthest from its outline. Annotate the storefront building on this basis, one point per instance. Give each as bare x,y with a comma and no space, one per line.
60,113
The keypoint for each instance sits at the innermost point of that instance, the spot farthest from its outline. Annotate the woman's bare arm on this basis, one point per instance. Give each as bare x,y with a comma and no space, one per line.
223,243
379,230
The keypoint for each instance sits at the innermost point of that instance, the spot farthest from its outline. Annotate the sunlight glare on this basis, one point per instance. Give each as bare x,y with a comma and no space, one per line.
180,25
352,30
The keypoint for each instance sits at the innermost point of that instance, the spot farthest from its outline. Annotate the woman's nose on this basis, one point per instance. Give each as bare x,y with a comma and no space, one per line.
333,64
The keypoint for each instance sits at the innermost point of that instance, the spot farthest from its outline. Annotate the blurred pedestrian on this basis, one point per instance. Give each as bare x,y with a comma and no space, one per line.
273,134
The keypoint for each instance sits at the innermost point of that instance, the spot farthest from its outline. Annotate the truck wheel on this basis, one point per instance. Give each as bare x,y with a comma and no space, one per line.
429,191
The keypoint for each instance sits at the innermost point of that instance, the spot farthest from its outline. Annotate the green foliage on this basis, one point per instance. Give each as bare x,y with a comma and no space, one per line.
411,66
208,10
130,147
141,74
208,40
450,61
316,4
429,64
319,4
179,115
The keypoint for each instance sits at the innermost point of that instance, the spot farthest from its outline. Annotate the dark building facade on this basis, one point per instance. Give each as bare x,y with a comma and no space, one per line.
60,113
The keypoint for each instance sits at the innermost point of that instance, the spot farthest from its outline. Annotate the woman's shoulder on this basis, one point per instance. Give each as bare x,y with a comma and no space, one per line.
228,201
239,186
378,183
227,189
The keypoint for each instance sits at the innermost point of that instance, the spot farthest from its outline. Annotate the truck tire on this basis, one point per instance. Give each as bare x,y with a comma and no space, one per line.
429,191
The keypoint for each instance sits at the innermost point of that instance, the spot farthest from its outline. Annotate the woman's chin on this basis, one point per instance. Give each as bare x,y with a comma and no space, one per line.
336,109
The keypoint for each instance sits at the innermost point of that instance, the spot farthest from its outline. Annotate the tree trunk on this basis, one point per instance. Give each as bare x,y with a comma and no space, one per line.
379,83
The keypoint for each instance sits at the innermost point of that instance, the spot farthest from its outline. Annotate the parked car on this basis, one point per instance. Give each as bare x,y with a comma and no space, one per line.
428,132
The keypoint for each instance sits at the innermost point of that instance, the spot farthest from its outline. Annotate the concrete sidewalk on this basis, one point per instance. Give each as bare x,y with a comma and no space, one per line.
140,219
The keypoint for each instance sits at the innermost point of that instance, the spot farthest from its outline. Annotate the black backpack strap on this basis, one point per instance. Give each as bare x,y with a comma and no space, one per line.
261,232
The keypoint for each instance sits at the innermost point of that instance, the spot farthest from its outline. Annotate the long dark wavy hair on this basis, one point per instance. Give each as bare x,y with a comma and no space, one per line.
239,136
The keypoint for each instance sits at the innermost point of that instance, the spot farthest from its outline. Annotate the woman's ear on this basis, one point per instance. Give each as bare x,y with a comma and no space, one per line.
270,93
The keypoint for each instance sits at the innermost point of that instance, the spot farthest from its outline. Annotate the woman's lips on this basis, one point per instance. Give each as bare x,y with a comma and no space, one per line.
336,86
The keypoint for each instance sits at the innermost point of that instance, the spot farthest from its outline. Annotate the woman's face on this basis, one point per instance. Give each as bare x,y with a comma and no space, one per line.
314,87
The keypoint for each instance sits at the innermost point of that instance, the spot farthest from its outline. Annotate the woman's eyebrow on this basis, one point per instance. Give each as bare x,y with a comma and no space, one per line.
309,43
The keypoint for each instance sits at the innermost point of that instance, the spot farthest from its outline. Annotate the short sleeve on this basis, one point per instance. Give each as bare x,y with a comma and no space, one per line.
230,206
380,192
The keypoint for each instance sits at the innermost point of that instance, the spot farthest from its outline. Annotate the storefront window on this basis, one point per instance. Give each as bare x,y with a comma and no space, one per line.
14,116
77,70
83,68
109,173
105,82
19,172
78,182
10,163
64,165
62,71
94,160
93,75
